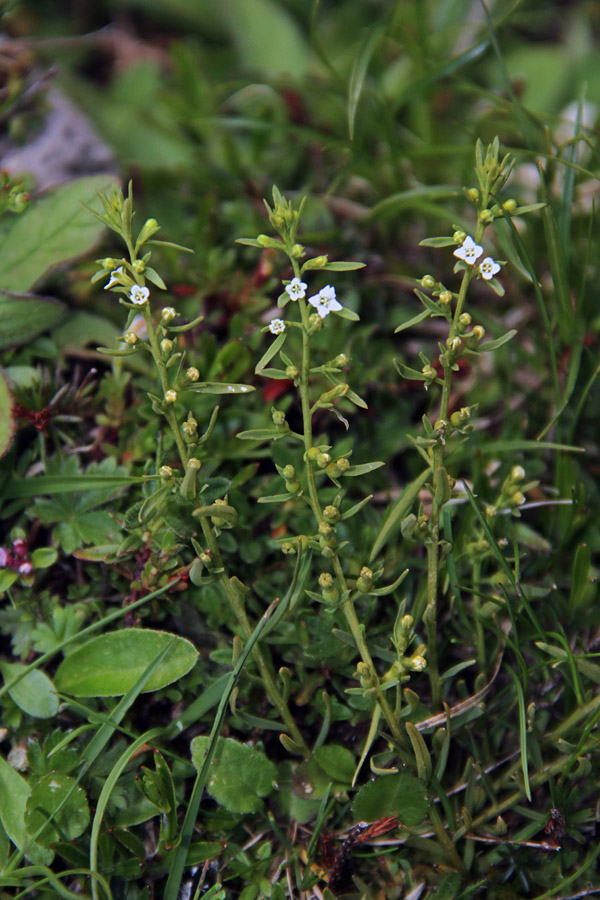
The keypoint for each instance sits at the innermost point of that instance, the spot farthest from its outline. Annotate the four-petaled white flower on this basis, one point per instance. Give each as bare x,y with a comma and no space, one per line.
469,252
296,289
139,295
276,326
114,278
488,268
325,301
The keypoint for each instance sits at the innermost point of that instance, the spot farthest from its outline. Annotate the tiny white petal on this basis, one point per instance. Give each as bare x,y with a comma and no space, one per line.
325,301
469,251
296,289
114,278
488,268
276,326
139,295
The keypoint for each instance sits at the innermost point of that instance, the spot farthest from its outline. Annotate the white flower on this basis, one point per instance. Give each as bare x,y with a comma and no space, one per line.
114,278
469,252
325,302
276,326
139,295
296,289
488,268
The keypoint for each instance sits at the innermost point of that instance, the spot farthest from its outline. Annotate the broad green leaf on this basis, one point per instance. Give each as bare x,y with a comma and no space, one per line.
7,422
239,775
24,316
216,387
414,321
337,761
400,795
363,469
14,792
267,37
34,693
411,198
109,665
359,72
349,314
54,229
59,801
400,508
343,266
261,434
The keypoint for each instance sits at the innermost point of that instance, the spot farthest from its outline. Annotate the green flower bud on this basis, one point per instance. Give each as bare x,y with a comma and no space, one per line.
445,297
428,281
509,206
188,487
298,251
288,548
518,498
418,663
292,372
364,581
517,473
328,587
288,472
473,195
217,521
168,314
459,237
192,374
315,323
171,396
131,338
166,346
332,514
464,320
166,475
341,360
486,215
138,266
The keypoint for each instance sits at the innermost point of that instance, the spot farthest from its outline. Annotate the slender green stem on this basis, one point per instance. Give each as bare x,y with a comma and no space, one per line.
264,667
350,615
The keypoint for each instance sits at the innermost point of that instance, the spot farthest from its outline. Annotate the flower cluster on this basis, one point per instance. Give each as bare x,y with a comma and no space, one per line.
470,252
324,302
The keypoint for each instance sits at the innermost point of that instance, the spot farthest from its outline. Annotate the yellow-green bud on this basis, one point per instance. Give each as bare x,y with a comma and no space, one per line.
138,266
168,314
325,529
418,663
278,418
490,511
406,623
315,323
342,464
428,281
341,360
364,580
188,487
166,346
288,472
110,263
454,344
171,396
486,215
429,372
319,261
192,374
288,548
166,474
332,514
464,319
459,237
292,372
190,427
328,587
473,195
517,473
518,498
131,338
323,460
445,297
297,251
509,206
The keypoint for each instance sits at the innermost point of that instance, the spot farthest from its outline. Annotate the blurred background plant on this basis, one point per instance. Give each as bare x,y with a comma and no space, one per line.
371,110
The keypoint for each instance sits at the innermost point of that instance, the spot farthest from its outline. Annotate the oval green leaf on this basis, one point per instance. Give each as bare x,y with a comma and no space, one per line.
58,803
24,316
14,791
7,421
55,228
239,775
400,795
34,693
109,665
